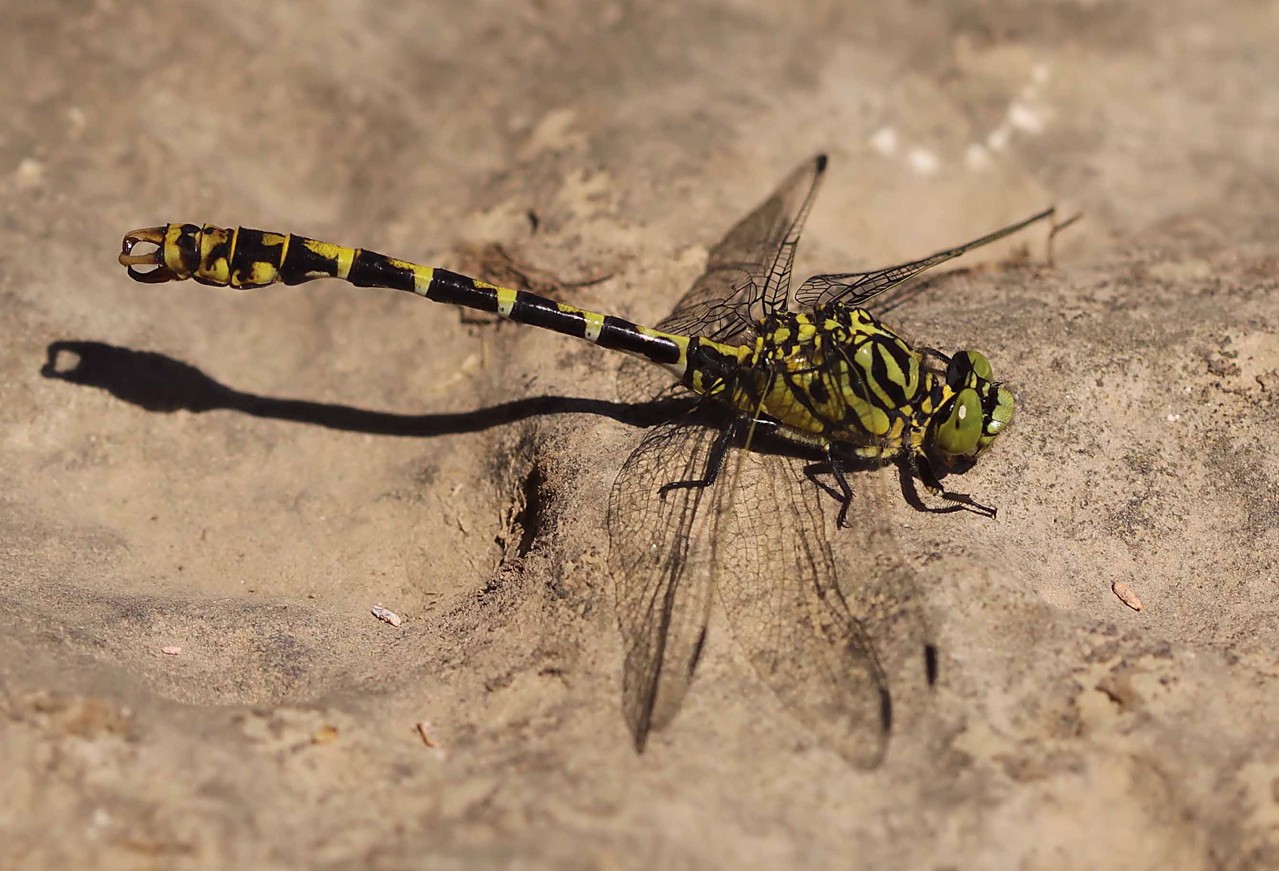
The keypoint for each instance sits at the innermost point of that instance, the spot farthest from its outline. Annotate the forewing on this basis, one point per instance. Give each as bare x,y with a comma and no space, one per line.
748,270
660,560
776,296
749,263
826,638
856,288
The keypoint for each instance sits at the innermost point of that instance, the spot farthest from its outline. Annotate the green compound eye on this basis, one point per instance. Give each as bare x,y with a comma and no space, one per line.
1002,414
960,432
966,364
980,365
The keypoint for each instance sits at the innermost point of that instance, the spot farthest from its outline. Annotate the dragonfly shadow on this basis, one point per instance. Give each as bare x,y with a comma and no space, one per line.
159,383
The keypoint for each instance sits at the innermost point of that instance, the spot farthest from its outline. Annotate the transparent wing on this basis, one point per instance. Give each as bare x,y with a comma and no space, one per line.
855,288
826,646
747,273
659,560
829,639
750,267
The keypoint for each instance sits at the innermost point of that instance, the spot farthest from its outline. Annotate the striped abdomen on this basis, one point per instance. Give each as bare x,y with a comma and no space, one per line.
242,258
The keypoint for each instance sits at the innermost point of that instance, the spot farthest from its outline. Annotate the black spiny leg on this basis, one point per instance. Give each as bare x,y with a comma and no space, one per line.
845,490
714,463
963,502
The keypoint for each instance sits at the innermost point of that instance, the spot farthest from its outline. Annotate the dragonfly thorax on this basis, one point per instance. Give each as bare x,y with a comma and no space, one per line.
835,376
839,377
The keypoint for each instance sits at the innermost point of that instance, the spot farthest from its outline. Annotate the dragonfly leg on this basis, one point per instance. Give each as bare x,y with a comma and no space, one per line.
714,463
961,501
842,491
945,358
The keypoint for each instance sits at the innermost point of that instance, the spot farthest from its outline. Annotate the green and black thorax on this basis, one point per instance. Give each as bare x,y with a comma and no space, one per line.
838,378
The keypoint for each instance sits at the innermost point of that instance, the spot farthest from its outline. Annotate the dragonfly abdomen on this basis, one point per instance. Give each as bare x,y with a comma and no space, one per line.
244,259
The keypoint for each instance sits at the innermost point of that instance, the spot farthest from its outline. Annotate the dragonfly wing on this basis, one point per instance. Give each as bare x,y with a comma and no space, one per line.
746,271
776,295
749,263
827,638
659,560
856,288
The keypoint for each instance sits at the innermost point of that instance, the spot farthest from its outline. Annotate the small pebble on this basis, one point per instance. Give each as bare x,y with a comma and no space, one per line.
386,615
424,729
1126,595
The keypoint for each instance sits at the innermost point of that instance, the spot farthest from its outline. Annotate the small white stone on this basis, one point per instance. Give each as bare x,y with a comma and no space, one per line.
76,120
924,161
386,615
977,157
1024,117
29,174
885,141
997,139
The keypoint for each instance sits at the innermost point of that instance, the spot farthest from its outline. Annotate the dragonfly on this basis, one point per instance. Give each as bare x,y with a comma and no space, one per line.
791,397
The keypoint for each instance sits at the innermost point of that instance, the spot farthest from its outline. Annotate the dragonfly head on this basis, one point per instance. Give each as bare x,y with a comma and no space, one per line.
975,410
